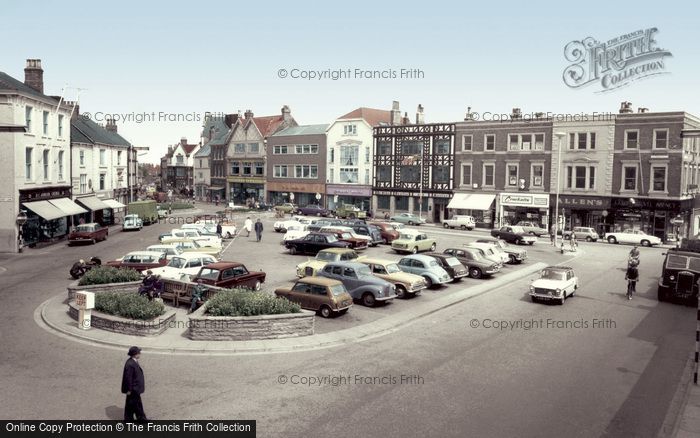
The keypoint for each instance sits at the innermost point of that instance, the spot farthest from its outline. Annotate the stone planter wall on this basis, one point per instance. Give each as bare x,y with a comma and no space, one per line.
126,326
132,286
245,328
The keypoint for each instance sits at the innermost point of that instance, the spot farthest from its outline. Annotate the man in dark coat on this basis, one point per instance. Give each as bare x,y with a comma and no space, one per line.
258,229
133,385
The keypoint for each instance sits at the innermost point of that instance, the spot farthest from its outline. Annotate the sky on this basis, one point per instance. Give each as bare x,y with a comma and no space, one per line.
162,65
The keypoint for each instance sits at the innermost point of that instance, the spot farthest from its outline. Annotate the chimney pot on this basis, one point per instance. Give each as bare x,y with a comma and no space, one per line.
420,117
395,113
248,114
626,107
34,75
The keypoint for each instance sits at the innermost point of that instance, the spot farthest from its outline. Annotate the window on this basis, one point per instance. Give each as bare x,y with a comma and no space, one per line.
331,155
383,173
401,202
119,159
443,147
525,142
305,149
200,175
580,177
46,122
235,168
384,147
466,174
102,181
305,171
349,155
410,174
28,152
247,168
60,165
489,142
488,179
82,158
103,157
383,202
180,159
28,118
60,126
254,148
411,147
239,148
83,183
512,175
591,136
366,176
629,178
420,206
631,139
581,140
539,142
658,175
441,174
349,175
467,141
660,138
259,169
367,154
572,140
331,175
279,150
513,144
350,129
536,175
45,161
280,171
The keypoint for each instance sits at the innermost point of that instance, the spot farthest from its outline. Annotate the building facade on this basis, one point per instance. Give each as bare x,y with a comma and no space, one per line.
177,167
296,165
214,135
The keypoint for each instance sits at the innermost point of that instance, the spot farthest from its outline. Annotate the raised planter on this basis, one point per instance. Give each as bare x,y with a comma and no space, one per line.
131,286
203,327
126,326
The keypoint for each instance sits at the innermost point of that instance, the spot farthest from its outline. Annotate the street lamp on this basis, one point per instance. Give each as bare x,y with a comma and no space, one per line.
560,136
20,220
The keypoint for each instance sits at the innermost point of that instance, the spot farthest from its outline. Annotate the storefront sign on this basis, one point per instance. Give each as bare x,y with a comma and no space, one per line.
426,194
589,202
649,204
246,180
296,187
524,200
41,194
349,190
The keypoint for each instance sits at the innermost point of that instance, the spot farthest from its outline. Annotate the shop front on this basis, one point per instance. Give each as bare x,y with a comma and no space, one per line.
659,217
301,194
432,207
478,205
243,190
48,217
358,195
584,211
512,208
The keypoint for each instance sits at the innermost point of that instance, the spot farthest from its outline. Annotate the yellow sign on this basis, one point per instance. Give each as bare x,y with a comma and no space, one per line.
248,180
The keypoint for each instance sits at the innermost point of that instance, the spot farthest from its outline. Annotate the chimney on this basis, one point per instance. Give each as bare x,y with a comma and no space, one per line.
230,119
405,120
642,110
111,125
516,114
626,107
469,117
286,114
395,113
34,75
183,141
248,114
170,150
420,117
75,107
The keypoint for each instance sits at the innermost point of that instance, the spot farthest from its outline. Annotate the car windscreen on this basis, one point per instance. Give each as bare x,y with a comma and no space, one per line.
549,274
177,262
392,268
406,236
677,262
433,263
332,238
694,264
452,261
338,289
325,256
84,228
209,274
364,271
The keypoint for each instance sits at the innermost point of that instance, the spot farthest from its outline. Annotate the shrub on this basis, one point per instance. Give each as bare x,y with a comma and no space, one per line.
108,274
242,302
127,305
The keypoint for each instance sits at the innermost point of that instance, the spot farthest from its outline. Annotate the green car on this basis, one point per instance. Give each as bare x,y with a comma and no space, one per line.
413,242
286,207
408,218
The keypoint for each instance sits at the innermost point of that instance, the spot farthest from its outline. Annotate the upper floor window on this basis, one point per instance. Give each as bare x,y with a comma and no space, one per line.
28,154
279,149
60,126
442,147
582,140
235,168
580,177
254,148
350,129
384,147
60,165
489,142
467,141
331,155
28,117
103,157
536,175
180,159
46,122
629,178
239,148
631,139
658,178
411,147
368,154
349,155
441,174
525,142
81,156
383,173
45,159
466,174
660,138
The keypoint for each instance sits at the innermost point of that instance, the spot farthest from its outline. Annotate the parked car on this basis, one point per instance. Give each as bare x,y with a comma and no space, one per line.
88,233
296,231
636,237
346,236
425,266
281,226
478,265
680,274
286,207
582,233
492,249
459,221
487,251
360,283
313,210
140,260
353,233
132,222
312,243
514,234
170,249
178,233
228,229
203,230
322,295
230,275
370,231
188,245
408,218
451,265
387,232
320,223
555,283
349,211
532,228
312,266
407,284
183,266
515,254
413,242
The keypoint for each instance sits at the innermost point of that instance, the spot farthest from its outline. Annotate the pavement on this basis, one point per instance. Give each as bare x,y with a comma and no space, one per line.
688,422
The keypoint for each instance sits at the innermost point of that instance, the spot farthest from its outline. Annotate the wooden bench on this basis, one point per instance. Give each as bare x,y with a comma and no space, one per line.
181,291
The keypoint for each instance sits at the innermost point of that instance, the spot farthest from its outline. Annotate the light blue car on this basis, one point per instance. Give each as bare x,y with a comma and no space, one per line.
408,218
425,266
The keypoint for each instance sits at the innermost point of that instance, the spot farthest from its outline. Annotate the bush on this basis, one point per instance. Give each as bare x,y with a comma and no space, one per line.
127,305
108,274
242,302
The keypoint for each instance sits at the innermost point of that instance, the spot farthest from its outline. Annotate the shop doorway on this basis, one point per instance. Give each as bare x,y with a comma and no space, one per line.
659,229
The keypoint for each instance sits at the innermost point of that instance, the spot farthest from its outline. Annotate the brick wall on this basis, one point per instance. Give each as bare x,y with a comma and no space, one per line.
126,326
245,328
130,287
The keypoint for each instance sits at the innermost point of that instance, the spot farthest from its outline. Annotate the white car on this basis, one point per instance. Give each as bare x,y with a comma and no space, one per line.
555,283
492,248
282,226
463,222
178,233
169,249
488,253
183,266
132,222
636,237
228,230
295,231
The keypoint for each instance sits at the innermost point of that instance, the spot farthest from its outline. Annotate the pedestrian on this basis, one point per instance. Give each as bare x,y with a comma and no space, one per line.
386,215
133,385
552,234
248,226
197,295
258,229
219,229
632,275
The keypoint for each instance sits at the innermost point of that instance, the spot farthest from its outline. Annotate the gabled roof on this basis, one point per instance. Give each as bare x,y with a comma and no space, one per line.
188,148
302,130
8,83
204,151
220,135
84,130
267,125
374,117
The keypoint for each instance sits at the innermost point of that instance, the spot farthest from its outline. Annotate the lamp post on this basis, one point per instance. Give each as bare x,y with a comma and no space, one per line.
20,220
420,195
560,136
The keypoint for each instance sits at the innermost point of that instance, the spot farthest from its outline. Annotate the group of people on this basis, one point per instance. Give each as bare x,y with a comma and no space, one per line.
248,226
151,286
632,274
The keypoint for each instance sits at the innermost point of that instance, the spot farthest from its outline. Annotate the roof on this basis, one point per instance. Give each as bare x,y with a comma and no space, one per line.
336,250
374,117
267,125
377,261
422,257
188,148
8,83
223,265
192,255
204,151
302,130
348,264
559,268
148,253
84,130
220,135
319,281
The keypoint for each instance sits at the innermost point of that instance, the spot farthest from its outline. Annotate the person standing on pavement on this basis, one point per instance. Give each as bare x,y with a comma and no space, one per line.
258,229
219,229
133,385
248,226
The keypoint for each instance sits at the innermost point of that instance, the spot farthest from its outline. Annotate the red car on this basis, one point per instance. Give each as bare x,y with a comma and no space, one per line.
389,234
230,275
344,236
140,260
88,233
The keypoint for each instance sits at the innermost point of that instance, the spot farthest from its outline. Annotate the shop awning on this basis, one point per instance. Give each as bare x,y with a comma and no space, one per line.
45,209
213,189
114,204
471,201
67,206
93,203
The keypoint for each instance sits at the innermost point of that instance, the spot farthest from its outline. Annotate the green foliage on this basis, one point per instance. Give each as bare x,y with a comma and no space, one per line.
242,302
175,206
128,305
108,274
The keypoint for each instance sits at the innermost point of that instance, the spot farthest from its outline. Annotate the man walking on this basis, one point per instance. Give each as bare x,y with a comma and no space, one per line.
248,226
258,229
133,385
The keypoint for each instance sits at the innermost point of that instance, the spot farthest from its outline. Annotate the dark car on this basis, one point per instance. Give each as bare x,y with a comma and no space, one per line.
451,264
370,231
140,260
514,234
230,275
320,223
321,295
88,233
345,236
680,274
359,282
388,233
477,264
312,243
313,210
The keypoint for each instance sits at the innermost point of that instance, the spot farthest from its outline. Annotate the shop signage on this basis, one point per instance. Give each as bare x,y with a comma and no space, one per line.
349,190
589,202
41,194
246,180
519,199
649,204
414,193
296,187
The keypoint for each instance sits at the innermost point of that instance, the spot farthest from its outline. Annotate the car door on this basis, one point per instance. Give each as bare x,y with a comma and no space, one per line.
300,294
405,265
350,280
243,277
317,297
418,266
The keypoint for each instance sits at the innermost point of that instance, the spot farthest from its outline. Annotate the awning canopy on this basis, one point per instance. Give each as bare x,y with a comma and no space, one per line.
93,203
114,204
45,209
471,201
216,188
67,206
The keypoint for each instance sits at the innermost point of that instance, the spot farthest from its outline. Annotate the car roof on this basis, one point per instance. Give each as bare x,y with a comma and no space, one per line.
224,265
88,224
559,268
347,264
320,281
164,245
148,253
377,261
337,250
411,231
193,255
422,257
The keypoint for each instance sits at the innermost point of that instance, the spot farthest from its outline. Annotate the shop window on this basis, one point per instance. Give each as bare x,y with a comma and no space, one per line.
489,170
383,202
401,202
384,173
466,174
660,138
658,174
489,142
417,204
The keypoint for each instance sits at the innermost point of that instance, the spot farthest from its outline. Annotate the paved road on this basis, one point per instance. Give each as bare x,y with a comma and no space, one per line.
615,379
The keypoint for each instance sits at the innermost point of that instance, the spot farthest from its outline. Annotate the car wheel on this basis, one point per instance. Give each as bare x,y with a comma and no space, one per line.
257,286
319,215
463,227
93,241
445,225
645,243
470,228
414,250
401,291
612,239
563,297
589,239
432,247
530,243
325,311
512,259
534,300
410,222
368,300
293,250
475,273
228,235
428,282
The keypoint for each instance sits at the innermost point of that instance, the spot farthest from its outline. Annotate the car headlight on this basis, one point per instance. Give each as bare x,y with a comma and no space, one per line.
532,288
380,293
558,291
671,278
